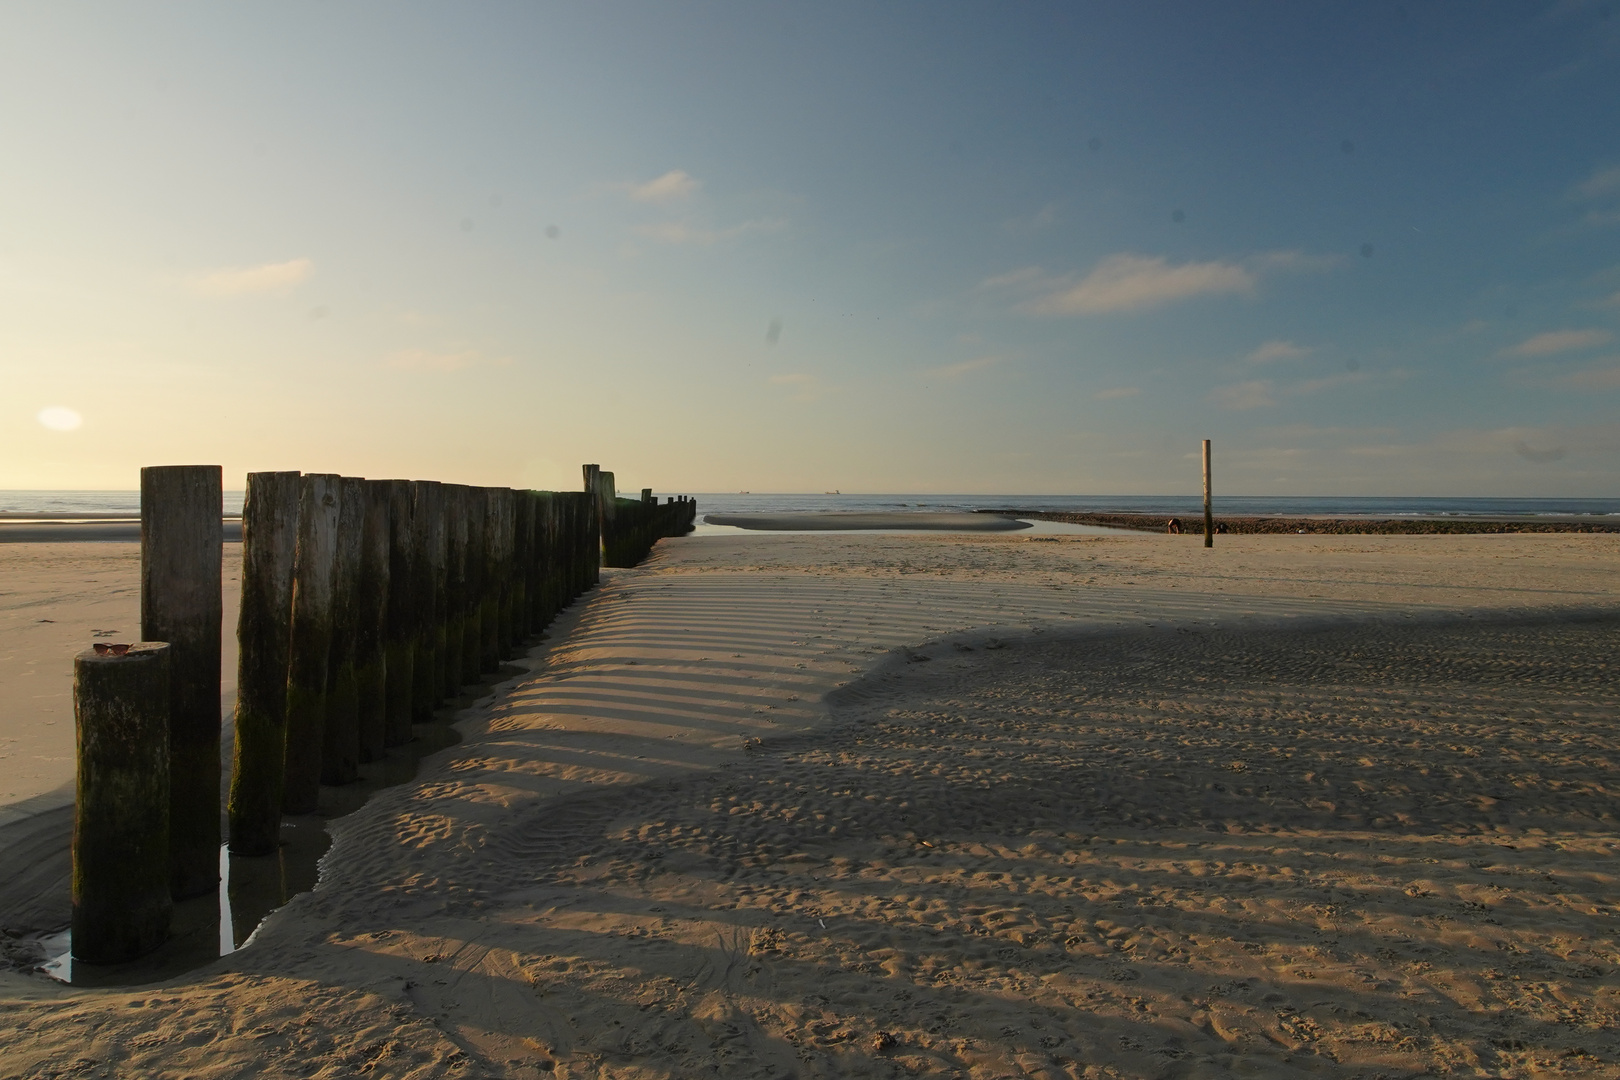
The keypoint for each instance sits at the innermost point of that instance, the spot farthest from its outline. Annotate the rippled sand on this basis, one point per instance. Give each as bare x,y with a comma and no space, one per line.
983,806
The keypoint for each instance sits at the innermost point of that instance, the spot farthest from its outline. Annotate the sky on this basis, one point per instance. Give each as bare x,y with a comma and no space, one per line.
1365,248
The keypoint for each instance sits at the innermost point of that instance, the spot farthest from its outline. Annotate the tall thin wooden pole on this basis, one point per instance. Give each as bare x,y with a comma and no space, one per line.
1209,514
121,902
181,562
318,509
263,633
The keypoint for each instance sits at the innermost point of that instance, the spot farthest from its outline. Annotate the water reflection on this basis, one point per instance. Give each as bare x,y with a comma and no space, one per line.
251,888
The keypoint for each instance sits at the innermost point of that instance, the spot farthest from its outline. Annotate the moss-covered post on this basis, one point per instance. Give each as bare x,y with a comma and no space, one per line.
318,509
472,641
121,901
370,662
263,634
455,585
400,644
181,539
424,687
340,733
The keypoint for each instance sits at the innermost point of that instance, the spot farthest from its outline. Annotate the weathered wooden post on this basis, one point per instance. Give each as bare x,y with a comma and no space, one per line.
472,641
340,732
181,539
523,583
1209,514
370,660
400,646
313,563
546,561
121,900
455,585
441,592
490,622
424,690
506,545
263,634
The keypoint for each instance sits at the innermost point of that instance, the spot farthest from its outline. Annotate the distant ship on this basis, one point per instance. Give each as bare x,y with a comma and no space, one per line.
832,492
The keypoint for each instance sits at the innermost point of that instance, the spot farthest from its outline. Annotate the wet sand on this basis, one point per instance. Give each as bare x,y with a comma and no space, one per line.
984,806
875,520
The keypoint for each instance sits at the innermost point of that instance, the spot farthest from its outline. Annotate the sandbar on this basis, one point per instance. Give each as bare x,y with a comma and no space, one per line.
900,520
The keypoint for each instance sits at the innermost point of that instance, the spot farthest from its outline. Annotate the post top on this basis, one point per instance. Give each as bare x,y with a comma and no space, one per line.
121,653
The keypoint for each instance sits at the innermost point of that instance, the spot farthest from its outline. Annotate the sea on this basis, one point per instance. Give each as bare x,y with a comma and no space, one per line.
102,503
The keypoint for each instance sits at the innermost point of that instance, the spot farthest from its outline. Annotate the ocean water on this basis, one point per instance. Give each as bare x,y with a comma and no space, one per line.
88,502
129,502
1167,505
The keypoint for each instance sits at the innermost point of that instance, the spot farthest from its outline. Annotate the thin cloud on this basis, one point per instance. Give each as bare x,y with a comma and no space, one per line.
1137,282
1114,393
1551,454
1273,351
438,361
805,387
673,186
680,232
1603,378
1253,394
243,281
1131,282
1557,341
1601,183
956,371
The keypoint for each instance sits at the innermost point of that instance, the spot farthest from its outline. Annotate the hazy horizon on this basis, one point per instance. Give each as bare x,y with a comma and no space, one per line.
1368,249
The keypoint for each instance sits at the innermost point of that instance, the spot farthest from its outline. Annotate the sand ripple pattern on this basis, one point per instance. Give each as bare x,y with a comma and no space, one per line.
1357,851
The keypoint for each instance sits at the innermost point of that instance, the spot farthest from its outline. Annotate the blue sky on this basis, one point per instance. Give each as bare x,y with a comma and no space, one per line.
1366,248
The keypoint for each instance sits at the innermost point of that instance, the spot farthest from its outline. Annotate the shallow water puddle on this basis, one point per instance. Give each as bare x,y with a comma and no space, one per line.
251,888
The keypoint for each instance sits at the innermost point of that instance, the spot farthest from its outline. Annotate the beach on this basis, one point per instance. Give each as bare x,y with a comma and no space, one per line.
943,804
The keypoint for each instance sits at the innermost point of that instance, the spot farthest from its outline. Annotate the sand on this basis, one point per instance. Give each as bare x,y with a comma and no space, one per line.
843,521
984,806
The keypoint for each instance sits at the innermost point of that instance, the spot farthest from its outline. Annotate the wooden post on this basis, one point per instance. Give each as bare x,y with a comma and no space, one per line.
424,690
522,566
121,901
455,585
440,564
472,641
1209,514
400,646
490,622
506,542
181,540
370,662
340,732
263,634
318,509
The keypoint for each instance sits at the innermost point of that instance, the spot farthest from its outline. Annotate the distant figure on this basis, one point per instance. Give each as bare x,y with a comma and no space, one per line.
1173,526
1220,526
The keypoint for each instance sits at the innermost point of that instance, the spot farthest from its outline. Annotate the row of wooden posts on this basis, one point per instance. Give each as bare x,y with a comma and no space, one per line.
365,605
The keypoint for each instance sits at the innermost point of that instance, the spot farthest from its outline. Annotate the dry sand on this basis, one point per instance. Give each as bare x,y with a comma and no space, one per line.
984,806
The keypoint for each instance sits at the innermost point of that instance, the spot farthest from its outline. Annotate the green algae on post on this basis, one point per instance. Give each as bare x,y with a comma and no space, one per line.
263,634
121,898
